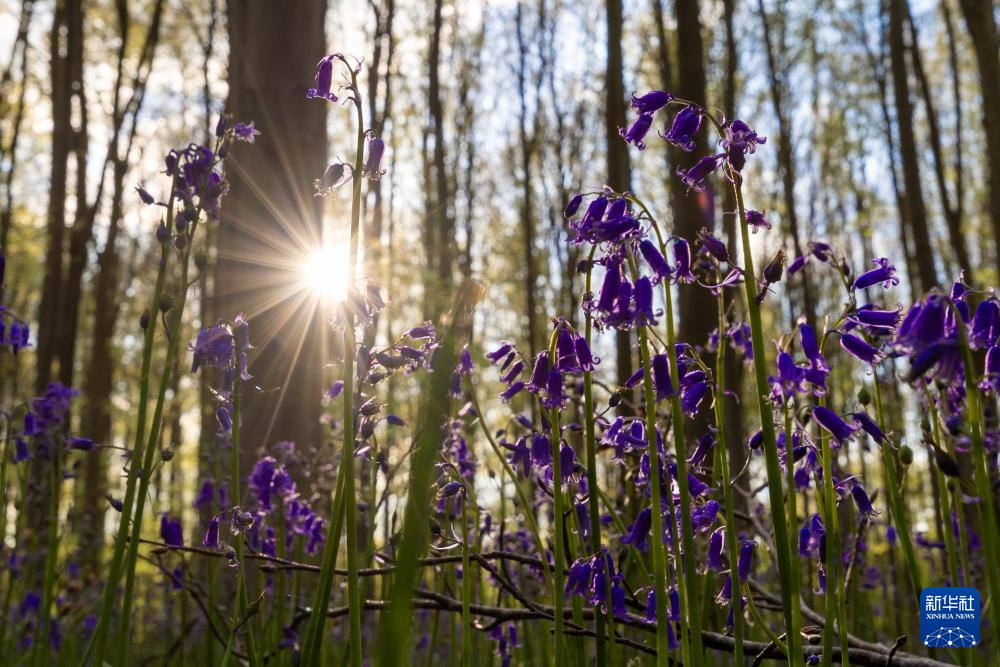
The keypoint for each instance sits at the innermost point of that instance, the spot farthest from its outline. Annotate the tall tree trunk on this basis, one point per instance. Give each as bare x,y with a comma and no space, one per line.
619,166
693,210
8,147
786,156
271,216
982,28
914,195
439,226
64,45
952,209
527,151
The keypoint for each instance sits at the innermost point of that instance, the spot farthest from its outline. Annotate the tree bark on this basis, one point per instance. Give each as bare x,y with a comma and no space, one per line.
527,152
913,193
693,210
786,156
619,165
951,207
983,29
270,216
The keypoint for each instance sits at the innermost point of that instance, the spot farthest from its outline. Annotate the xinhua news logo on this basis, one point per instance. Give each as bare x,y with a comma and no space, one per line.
949,617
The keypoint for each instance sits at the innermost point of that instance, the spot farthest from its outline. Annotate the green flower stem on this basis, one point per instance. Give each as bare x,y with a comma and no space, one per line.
727,486
984,485
593,503
656,541
828,509
788,595
896,507
98,643
467,659
522,498
792,636
242,596
149,454
345,496
558,598
40,647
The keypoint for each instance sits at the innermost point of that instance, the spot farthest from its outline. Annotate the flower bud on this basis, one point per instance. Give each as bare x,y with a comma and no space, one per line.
166,303
144,320
200,260
905,455
864,397
167,454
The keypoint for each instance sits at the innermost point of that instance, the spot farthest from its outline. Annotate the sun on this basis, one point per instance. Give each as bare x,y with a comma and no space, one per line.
325,272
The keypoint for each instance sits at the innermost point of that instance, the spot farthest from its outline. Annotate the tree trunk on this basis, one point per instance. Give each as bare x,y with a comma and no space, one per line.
270,216
693,210
439,226
983,30
527,150
786,157
952,210
619,166
914,195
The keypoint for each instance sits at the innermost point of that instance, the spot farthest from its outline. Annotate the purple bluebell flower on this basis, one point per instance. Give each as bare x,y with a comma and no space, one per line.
638,533
212,534
715,543
884,273
862,501
170,531
841,431
877,322
685,128
713,246
738,140
694,177
540,374
985,325
573,206
682,261
651,102
869,426
860,349
643,293
335,175
213,348
324,80
636,133
245,132
757,220
745,560
661,377
655,260
376,148
796,265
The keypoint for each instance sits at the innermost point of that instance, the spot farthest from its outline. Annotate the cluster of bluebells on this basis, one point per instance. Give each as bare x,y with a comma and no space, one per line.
278,500
224,346
45,426
199,183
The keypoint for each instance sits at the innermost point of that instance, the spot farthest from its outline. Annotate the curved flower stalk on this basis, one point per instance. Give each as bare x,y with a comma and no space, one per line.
197,188
345,499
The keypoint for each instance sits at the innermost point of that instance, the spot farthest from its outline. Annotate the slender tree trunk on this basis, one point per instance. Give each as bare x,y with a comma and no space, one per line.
527,150
951,208
979,20
18,58
693,210
914,195
786,156
439,224
270,215
619,166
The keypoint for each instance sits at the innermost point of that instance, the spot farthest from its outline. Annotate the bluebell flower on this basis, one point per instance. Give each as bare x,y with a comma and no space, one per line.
841,431
757,220
324,80
745,560
862,501
694,177
376,148
713,246
213,348
170,531
638,534
637,132
211,539
715,544
684,129
651,102
869,426
682,261
573,206
860,349
985,325
884,274
738,141
655,260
